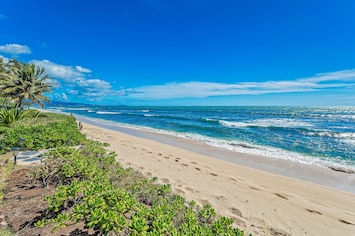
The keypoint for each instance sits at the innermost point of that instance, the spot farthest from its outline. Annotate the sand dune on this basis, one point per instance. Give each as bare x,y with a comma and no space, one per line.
260,203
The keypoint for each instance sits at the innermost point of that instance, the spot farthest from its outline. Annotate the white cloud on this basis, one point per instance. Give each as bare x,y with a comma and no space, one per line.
82,69
342,75
95,84
68,74
15,49
91,89
73,78
337,79
60,96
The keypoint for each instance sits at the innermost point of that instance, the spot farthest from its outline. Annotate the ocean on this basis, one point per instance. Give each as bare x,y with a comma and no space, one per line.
318,136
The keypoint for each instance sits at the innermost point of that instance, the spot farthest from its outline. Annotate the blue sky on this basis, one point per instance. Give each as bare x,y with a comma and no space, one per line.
187,52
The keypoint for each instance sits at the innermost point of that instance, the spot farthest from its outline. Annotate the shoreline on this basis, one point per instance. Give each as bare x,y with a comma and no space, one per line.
327,177
260,202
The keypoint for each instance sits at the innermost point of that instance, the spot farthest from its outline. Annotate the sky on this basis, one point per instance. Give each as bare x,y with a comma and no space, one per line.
187,52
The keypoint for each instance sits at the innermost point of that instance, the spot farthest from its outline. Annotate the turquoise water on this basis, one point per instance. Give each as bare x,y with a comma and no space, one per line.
322,136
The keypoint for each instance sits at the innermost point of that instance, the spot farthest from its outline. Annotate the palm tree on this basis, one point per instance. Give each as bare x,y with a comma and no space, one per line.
25,82
4,77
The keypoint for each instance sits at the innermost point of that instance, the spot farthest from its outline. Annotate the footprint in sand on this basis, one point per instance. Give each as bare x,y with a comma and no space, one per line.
274,231
220,197
191,190
148,174
213,174
165,181
254,188
183,164
283,196
196,168
346,222
314,211
192,162
235,211
232,179
179,191
203,202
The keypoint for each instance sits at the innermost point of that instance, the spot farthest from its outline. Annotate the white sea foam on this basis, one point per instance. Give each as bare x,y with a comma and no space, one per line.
234,124
213,120
286,123
108,113
349,141
76,109
331,134
346,135
270,152
149,115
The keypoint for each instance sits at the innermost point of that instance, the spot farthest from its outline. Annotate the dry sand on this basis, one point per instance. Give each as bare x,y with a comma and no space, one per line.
260,203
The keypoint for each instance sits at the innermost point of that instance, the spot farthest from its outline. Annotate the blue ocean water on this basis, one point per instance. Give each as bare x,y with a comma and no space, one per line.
321,136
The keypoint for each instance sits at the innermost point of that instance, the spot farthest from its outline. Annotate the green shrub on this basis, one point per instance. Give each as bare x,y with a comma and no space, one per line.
42,131
8,116
95,189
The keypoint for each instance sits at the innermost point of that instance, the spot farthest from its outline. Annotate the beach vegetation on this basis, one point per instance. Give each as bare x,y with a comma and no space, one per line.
8,116
36,131
93,188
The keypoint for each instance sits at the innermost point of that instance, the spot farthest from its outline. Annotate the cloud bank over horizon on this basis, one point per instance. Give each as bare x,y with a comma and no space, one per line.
194,89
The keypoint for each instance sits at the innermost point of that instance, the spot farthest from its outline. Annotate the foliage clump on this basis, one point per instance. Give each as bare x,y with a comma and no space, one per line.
37,131
8,116
94,188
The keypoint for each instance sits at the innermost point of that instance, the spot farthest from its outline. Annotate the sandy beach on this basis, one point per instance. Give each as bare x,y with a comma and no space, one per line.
261,203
